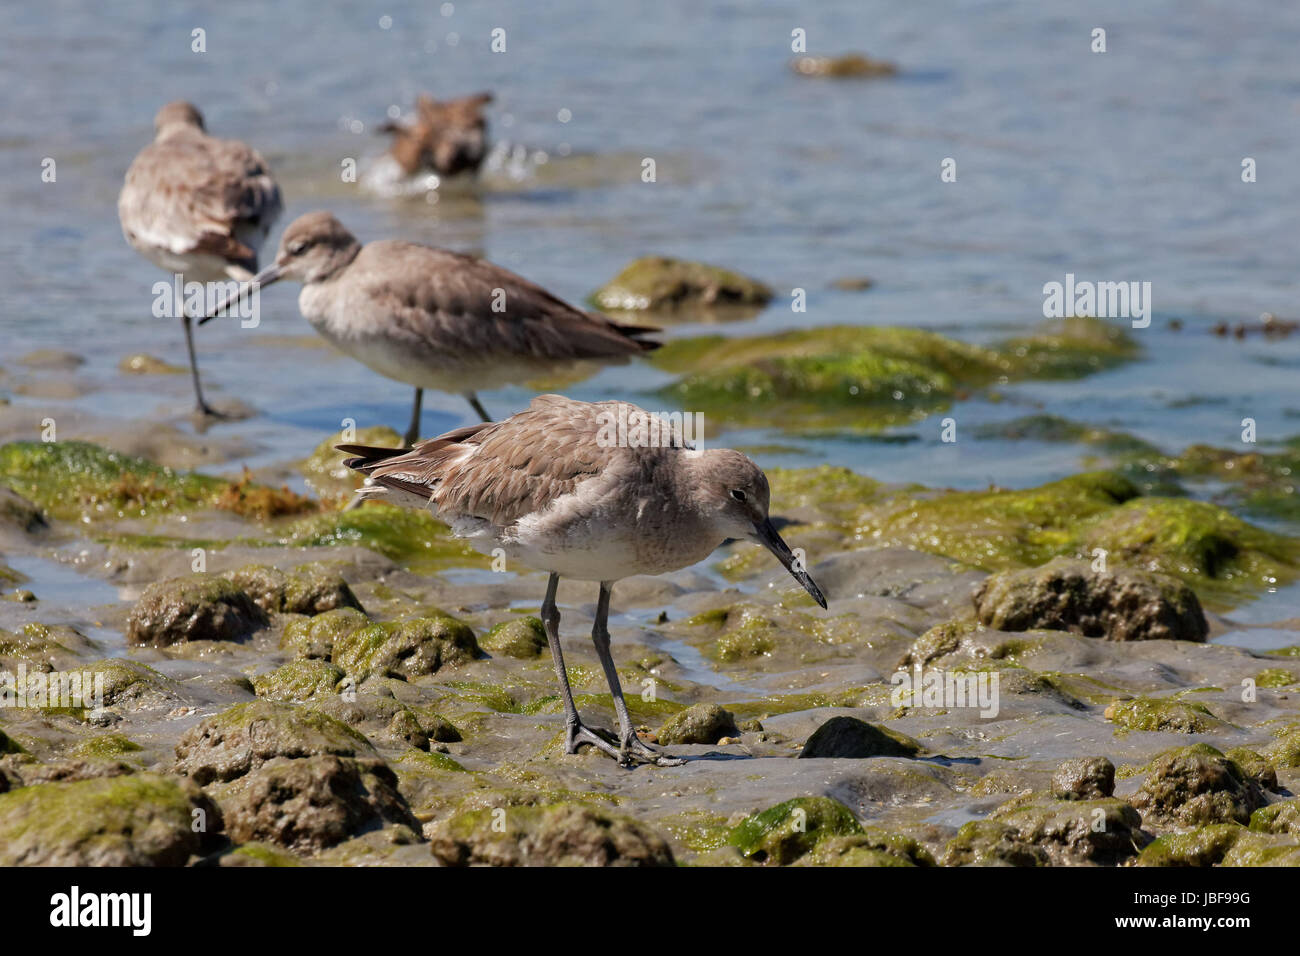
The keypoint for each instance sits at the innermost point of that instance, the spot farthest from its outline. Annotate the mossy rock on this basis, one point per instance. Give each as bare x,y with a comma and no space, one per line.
8,745
872,847
1255,766
1204,846
1281,817
257,854
310,589
698,724
108,745
143,819
864,377
664,284
1103,831
1285,751
1084,778
1263,849
411,538
315,637
781,834
1197,785
132,685
560,834
406,649
1275,677
242,738
850,737
1163,714
194,608
324,470
990,843
299,681
1066,594
523,638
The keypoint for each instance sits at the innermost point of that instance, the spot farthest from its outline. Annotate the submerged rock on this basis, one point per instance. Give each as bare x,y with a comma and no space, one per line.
850,737
785,832
141,819
1084,778
406,649
244,737
565,834
698,724
1067,595
523,638
664,284
310,589
311,803
851,65
1193,786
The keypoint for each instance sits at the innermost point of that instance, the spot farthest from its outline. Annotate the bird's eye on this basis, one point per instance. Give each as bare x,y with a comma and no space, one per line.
295,249
737,494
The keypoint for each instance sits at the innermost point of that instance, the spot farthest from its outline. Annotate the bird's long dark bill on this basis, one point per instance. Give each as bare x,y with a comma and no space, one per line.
766,534
264,278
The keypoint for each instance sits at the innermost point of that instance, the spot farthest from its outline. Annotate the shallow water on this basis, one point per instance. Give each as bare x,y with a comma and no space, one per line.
1119,166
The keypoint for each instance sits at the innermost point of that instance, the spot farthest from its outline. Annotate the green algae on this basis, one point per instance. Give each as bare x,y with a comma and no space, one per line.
425,761
107,746
407,648
299,681
1204,846
1275,677
1163,714
523,638
413,539
664,284
868,378
323,469
781,834
315,637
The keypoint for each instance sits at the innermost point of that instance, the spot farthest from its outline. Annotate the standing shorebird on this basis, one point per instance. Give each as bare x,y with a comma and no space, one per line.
433,318
447,137
198,206
549,488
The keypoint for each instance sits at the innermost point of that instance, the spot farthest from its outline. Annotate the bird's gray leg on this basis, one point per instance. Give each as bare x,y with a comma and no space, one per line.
575,734
413,431
633,748
203,406
477,406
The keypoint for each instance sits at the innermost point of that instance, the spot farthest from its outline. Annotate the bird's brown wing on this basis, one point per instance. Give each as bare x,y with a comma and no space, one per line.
456,302
503,471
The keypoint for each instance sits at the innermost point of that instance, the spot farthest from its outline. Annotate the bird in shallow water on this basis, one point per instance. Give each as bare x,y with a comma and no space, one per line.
447,137
550,489
198,206
433,318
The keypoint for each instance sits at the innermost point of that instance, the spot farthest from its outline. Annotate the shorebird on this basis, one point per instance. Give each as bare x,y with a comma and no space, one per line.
447,137
550,489
433,318
198,206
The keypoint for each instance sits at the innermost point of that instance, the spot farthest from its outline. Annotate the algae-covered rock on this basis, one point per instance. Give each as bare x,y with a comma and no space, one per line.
141,363
990,843
1204,846
663,284
141,819
406,649
1066,594
1084,778
1263,849
256,854
564,834
310,589
315,637
523,638
242,738
1285,751
1163,714
324,470
1103,831
1197,785
407,536
850,737
865,377
699,724
781,834
196,608
1281,817
133,686
872,847
845,65
313,802
1255,766
106,746
298,681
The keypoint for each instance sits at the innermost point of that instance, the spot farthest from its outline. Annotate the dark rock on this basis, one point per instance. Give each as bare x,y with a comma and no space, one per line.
17,512
1105,832
1193,786
1067,595
193,609
311,589
850,737
990,843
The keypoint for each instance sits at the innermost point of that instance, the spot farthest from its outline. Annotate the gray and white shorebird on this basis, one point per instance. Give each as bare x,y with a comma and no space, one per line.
433,318
198,206
548,488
